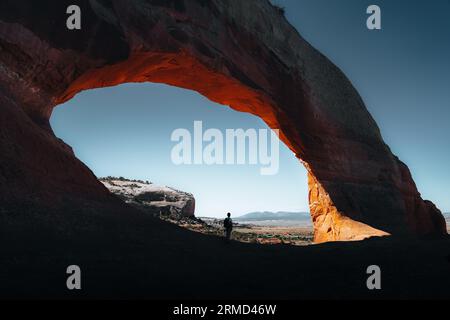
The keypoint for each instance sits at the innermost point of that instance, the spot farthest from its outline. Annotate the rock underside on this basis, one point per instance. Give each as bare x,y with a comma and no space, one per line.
243,54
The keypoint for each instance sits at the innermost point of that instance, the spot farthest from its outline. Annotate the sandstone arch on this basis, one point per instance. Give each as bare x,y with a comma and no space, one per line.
238,53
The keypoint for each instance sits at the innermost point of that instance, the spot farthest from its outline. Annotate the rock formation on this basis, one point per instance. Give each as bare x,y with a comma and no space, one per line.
156,200
243,54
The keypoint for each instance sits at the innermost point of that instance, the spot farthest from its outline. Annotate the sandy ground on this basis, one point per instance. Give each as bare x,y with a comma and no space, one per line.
278,235
252,232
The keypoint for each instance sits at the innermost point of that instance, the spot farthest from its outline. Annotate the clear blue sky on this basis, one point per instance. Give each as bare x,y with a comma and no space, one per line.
402,72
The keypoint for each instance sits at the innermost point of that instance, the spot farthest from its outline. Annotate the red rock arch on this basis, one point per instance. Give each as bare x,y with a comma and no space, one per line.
238,53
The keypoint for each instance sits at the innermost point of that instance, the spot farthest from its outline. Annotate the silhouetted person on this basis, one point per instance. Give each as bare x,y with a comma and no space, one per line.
228,225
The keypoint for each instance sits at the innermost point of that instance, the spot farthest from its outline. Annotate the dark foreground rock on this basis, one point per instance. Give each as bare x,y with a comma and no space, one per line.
145,257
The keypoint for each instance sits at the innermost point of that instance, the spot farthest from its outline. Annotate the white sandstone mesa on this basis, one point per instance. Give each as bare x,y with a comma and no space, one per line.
151,198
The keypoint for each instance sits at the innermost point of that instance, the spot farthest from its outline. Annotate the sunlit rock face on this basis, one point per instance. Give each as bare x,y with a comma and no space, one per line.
243,54
158,201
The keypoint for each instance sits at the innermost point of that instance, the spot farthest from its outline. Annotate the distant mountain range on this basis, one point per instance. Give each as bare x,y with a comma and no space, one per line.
288,219
267,215
289,216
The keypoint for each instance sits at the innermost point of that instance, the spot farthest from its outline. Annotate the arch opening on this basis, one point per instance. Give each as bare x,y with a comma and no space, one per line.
183,71
126,130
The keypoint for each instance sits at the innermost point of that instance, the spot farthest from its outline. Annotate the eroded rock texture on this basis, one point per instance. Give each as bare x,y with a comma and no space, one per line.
158,201
238,53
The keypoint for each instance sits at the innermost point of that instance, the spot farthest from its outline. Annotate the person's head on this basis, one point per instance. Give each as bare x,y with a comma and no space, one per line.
228,214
